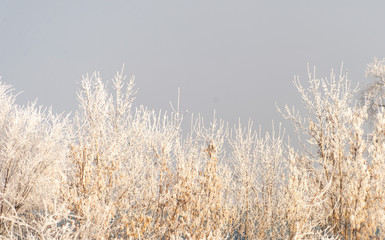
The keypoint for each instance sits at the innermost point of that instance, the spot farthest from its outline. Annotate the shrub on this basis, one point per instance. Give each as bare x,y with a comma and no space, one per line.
32,152
114,172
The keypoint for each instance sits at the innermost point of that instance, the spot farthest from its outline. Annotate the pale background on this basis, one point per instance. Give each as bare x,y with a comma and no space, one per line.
238,57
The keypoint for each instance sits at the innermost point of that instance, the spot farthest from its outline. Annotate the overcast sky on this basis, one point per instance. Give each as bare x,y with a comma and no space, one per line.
238,57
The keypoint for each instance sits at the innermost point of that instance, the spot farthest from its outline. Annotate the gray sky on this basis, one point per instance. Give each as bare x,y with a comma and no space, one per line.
238,57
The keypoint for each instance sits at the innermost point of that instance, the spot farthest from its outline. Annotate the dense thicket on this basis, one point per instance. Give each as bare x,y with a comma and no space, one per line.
113,172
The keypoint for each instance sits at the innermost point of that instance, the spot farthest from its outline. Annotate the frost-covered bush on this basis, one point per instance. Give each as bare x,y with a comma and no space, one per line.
334,183
114,172
32,152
